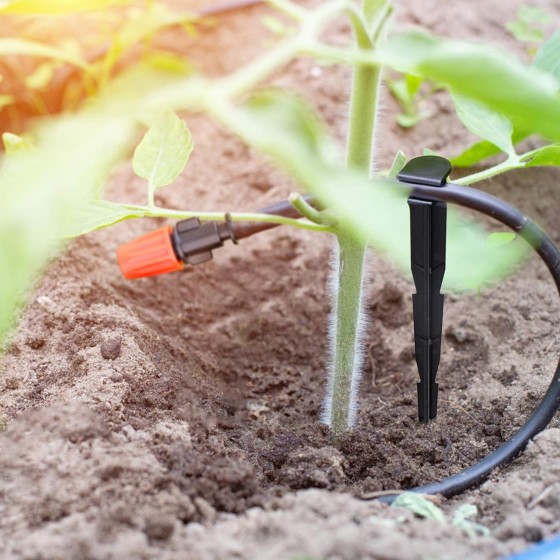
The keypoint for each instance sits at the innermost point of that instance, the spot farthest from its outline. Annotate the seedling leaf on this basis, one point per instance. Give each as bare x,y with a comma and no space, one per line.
524,32
98,214
164,151
462,520
420,506
527,27
398,163
405,91
410,121
548,57
547,155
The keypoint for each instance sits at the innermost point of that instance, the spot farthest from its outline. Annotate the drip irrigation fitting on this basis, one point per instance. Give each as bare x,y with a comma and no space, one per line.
200,239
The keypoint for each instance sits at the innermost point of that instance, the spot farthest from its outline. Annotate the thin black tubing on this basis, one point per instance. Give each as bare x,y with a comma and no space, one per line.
527,229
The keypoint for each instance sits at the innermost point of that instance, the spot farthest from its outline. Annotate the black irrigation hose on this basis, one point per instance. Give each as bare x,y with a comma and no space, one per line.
545,411
549,253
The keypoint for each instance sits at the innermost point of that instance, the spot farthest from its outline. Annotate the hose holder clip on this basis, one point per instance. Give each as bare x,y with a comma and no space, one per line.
428,233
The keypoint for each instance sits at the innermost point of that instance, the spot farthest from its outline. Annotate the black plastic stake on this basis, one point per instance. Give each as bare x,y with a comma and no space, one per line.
428,232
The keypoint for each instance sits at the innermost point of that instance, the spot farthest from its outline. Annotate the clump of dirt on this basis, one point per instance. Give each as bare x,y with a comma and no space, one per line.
178,417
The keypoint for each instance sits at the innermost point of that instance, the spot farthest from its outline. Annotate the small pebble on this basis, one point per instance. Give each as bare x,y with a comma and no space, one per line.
111,348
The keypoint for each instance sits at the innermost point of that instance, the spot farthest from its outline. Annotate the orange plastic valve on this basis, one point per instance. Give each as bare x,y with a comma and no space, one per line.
149,255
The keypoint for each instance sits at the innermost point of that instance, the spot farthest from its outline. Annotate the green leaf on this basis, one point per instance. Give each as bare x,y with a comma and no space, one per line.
98,214
413,84
56,6
482,150
164,151
499,238
468,244
405,90
420,506
524,32
489,125
398,163
547,155
548,57
483,74
527,28
474,154
400,92
32,48
14,144
409,121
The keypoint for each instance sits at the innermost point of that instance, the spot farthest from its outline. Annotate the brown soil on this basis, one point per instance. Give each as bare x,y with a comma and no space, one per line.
178,417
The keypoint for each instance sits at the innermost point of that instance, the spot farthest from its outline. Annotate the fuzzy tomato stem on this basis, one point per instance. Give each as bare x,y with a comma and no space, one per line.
348,275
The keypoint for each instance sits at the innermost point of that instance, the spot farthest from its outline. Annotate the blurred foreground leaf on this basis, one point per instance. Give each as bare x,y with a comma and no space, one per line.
41,191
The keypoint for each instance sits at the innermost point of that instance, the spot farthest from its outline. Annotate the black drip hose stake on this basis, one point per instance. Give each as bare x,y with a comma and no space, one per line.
428,233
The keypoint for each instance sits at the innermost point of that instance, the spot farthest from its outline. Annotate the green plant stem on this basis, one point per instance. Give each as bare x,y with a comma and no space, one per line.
348,284
346,358
508,165
158,212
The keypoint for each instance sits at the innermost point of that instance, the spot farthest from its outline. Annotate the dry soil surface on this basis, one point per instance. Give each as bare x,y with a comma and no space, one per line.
178,417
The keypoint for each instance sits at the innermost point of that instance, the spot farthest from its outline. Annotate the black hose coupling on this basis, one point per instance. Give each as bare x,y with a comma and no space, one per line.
194,241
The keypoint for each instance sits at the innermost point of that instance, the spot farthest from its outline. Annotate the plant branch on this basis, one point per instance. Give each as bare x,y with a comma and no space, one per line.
158,212
263,67
312,214
508,165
